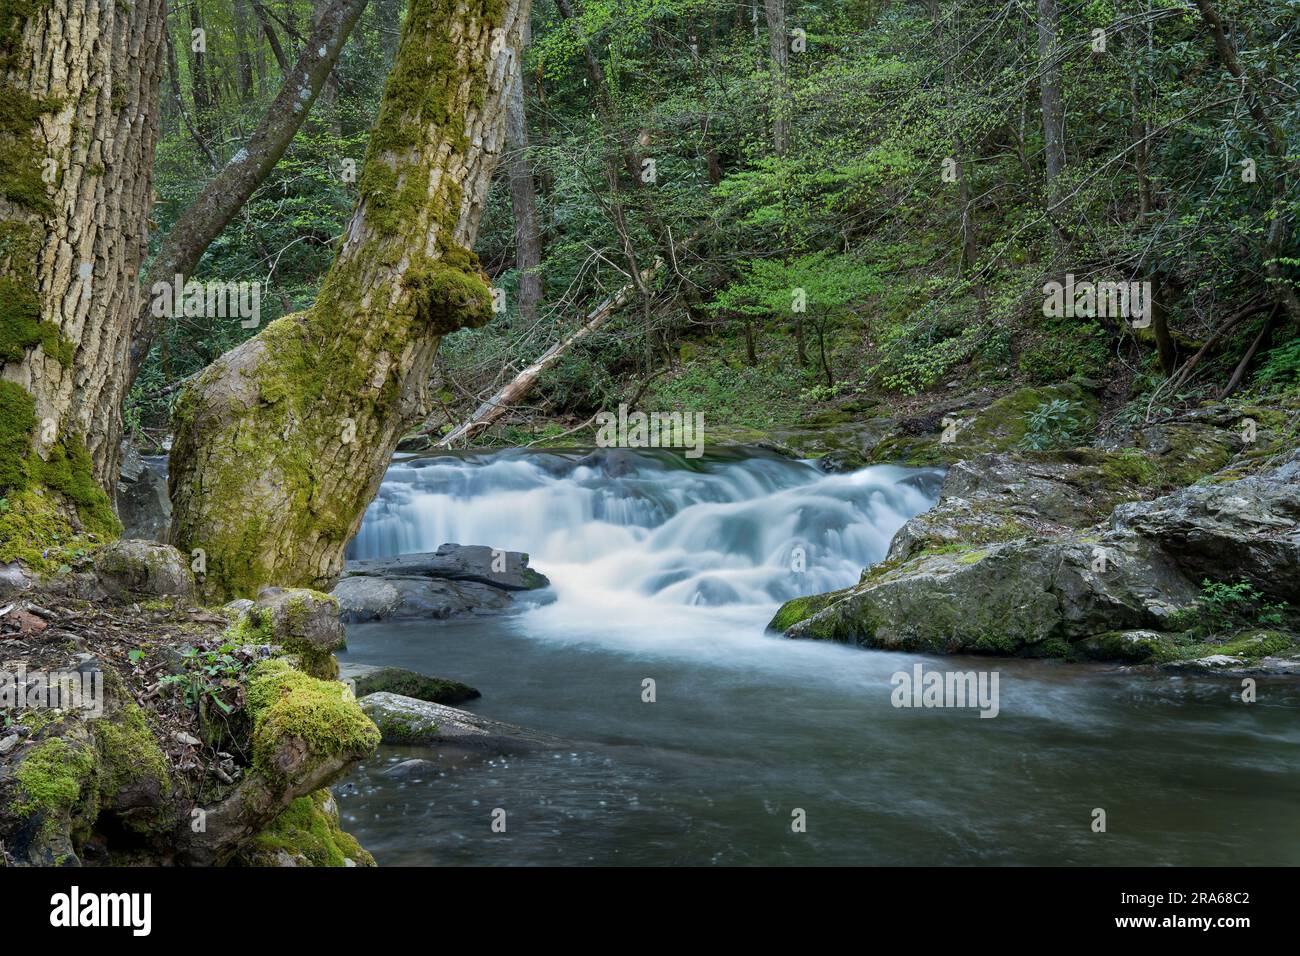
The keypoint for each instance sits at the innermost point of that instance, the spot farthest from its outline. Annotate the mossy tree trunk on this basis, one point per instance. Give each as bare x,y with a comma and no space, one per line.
283,441
78,122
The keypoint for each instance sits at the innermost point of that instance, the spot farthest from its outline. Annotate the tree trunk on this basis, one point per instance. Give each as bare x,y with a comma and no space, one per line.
244,70
390,27
523,200
1049,80
200,88
81,82
277,50
284,440
227,192
777,46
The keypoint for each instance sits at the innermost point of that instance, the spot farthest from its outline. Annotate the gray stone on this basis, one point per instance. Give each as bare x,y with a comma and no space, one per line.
405,720
130,569
452,581
1111,591
301,618
143,504
504,570
13,580
412,769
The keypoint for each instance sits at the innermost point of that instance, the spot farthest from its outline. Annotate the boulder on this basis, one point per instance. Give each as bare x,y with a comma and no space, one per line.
454,580
405,720
302,621
131,569
1122,590
142,501
365,679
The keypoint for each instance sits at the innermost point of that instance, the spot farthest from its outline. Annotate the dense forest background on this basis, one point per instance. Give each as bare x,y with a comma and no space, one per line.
912,172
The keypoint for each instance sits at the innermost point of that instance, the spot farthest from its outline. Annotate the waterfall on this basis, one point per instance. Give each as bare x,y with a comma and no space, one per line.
723,531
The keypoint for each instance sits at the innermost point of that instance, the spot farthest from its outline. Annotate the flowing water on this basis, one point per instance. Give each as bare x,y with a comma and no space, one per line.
668,569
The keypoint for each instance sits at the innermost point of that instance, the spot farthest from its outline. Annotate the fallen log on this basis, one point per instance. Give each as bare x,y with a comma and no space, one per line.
514,391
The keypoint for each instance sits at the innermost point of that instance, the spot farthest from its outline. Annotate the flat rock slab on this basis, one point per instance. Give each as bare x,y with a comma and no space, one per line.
455,580
405,720
503,570
366,679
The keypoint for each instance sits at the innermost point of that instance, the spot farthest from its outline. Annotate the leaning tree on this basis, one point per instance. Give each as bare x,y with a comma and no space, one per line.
283,441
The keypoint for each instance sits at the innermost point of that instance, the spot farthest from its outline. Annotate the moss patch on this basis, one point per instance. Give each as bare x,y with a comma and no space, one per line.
286,704
306,830
801,608
53,776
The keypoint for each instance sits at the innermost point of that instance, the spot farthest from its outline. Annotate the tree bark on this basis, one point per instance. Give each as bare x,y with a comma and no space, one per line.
284,440
523,200
271,38
81,80
227,192
1049,87
780,51
200,88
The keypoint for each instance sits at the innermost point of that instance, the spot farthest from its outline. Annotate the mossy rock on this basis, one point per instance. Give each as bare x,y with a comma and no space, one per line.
368,679
134,569
292,710
999,426
307,833
305,623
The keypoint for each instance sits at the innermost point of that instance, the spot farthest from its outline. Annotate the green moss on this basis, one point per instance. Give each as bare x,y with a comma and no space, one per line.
997,643
52,776
21,148
286,704
253,626
395,726
17,421
129,750
801,608
37,533
308,831
68,470
1055,647
129,757
1129,466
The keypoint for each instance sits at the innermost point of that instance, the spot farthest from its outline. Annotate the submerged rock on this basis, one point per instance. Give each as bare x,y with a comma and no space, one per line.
405,720
365,679
454,580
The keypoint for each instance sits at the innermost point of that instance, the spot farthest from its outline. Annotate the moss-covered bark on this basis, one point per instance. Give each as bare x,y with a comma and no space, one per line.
78,87
282,442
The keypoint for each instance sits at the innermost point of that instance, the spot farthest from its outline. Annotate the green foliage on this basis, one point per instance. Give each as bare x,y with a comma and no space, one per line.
854,210
1224,607
1054,424
214,675
1280,370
